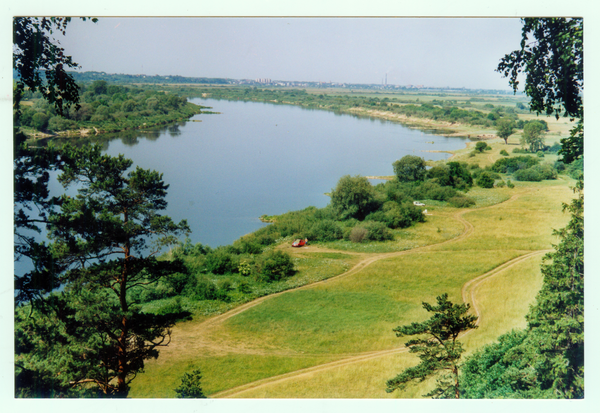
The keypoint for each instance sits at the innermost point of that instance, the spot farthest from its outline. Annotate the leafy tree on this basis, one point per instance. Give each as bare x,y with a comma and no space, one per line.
480,146
438,350
551,55
532,136
505,129
103,244
353,197
546,360
190,387
41,64
410,168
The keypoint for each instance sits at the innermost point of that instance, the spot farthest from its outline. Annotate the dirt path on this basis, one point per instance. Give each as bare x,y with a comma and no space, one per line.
468,295
198,340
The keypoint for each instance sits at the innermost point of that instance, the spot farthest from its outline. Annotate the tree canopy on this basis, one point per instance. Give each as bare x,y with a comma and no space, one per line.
103,243
551,56
410,168
546,360
438,349
533,136
505,129
353,197
41,64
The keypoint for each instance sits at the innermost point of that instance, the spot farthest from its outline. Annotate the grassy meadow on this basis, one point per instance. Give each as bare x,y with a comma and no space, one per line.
332,337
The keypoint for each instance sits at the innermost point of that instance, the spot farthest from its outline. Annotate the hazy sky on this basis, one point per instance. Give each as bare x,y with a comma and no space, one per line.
455,52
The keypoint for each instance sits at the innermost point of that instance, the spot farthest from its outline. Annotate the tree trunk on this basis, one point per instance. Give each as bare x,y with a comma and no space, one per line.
122,388
456,390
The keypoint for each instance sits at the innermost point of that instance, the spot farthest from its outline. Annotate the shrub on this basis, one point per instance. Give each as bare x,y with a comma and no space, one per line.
190,386
529,174
485,180
410,168
220,262
358,234
510,184
245,268
461,201
480,146
501,184
540,154
244,288
503,152
377,231
205,290
327,230
509,165
276,265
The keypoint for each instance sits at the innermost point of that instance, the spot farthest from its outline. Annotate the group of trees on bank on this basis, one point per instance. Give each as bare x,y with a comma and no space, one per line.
106,107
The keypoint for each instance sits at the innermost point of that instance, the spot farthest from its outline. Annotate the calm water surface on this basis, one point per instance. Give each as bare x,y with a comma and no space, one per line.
256,158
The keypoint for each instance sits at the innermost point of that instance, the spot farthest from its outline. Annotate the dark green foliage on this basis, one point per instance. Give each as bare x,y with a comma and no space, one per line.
503,152
504,129
459,175
551,55
480,146
575,169
440,175
353,197
509,165
499,371
377,231
461,201
533,137
103,242
454,174
437,347
190,387
410,168
276,265
536,173
546,360
485,180
220,262
205,289
326,230
41,64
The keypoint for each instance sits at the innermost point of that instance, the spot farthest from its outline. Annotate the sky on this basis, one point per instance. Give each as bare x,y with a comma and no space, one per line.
437,52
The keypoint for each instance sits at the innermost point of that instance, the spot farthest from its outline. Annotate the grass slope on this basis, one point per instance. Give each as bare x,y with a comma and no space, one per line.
334,339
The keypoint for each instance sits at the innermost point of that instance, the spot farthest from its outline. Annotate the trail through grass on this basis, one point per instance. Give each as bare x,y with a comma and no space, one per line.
334,338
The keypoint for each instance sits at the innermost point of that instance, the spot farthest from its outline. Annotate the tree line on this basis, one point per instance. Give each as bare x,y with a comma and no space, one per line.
105,107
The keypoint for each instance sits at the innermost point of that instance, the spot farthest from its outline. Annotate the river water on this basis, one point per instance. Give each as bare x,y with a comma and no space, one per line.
225,170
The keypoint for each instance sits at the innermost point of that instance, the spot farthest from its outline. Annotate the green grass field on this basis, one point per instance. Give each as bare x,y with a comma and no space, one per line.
333,337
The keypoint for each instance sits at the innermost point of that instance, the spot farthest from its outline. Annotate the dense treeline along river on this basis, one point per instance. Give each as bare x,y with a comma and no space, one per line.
256,158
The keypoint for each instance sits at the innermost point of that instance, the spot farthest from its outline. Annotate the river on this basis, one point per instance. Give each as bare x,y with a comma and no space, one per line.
225,170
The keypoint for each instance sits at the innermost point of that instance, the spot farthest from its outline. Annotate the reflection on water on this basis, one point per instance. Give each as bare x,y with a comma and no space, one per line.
258,158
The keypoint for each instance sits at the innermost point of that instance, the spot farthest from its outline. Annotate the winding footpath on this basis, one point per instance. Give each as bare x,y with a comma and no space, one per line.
468,295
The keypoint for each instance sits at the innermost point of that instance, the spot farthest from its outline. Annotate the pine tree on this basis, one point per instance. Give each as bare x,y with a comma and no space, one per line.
104,242
439,350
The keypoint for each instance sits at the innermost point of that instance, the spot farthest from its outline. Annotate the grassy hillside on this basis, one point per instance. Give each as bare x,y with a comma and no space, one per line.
348,320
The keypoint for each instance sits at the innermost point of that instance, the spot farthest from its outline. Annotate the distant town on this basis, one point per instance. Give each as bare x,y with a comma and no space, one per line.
142,78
